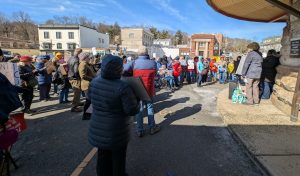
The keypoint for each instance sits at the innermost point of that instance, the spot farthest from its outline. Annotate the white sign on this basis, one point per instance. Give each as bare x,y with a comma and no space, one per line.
191,64
94,51
11,71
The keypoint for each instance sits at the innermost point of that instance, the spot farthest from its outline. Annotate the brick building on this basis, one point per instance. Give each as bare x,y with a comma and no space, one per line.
206,45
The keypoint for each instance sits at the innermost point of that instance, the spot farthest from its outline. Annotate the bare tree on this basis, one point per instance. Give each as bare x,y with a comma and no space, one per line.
23,22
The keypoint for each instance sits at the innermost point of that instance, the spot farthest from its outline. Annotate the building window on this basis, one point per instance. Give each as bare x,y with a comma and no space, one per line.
59,46
58,35
131,35
202,44
102,40
46,35
47,45
71,35
71,46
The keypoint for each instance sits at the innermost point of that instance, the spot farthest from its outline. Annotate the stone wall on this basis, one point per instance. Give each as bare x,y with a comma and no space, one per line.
287,72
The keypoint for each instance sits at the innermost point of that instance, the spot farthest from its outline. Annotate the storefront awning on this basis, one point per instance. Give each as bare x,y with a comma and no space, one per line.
250,10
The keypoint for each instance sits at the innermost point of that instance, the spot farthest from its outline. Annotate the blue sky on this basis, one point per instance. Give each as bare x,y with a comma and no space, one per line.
191,16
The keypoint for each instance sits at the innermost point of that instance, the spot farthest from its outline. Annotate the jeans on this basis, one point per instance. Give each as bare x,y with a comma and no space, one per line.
183,75
199,79
231,76
55,88
111,162
191,77
140,118
170,82
63,95
266,89
44,91
222,77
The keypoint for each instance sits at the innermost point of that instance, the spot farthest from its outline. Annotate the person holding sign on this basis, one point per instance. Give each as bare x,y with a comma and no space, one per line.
113,102
28,82
146,69
44,77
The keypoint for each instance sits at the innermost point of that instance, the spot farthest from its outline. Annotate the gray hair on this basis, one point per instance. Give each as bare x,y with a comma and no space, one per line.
143,50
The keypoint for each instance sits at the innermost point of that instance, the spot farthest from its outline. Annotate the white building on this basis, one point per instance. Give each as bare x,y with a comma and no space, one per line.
163,42
53,38
271,43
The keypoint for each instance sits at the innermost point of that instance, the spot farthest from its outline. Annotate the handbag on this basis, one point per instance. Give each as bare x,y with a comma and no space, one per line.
32,82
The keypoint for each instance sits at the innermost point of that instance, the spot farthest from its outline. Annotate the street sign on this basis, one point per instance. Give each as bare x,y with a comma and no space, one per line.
295,47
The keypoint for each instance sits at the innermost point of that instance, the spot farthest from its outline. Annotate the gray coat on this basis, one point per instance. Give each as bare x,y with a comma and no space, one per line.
113,103
253,65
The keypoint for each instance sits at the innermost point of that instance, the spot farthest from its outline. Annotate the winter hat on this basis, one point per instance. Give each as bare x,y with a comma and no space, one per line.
83,56
57,55
112,67
25,59
44,57
254,46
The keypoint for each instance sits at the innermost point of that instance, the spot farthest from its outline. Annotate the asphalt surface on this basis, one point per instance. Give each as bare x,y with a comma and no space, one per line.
193,141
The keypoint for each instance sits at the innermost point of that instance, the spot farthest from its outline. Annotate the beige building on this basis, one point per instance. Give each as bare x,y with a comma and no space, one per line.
133,38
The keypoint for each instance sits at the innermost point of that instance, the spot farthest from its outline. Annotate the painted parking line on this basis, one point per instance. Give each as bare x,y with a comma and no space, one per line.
85,162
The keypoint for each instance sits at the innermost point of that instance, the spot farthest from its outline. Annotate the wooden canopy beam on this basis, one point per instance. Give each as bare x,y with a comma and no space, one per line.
285,7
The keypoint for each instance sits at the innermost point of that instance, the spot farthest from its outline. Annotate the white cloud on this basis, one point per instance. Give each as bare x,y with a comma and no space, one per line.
165,5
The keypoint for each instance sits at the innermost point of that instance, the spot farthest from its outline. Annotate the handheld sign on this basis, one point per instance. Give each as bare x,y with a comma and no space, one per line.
11,71
138,87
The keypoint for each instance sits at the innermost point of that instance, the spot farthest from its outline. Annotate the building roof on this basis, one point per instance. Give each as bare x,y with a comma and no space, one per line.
250,10
203,36
62,26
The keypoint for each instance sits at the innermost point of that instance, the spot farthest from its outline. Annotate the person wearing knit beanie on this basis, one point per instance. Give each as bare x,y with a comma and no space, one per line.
58,56
83,56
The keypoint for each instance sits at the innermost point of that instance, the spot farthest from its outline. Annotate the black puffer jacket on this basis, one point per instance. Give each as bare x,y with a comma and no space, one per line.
269,69
113,102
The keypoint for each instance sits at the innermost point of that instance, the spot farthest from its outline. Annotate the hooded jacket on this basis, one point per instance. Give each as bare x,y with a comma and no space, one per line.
113,103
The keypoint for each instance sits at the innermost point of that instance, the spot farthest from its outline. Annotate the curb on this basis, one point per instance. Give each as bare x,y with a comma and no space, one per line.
253,158
240,142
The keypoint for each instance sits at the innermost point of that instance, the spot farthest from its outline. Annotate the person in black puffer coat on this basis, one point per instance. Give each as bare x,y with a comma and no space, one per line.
268,74
113,103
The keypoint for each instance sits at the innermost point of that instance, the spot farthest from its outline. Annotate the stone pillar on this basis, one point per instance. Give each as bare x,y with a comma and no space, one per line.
287,72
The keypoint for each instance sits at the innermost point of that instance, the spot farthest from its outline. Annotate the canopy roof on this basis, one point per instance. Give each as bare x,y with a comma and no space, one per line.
250,10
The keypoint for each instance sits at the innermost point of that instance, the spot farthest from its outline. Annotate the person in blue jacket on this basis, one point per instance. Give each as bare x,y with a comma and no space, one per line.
44,79
200,68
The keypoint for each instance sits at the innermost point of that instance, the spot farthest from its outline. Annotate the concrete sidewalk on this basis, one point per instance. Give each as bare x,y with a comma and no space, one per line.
266,132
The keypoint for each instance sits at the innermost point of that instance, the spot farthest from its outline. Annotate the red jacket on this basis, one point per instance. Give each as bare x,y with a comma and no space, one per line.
213,67
176,69
146,69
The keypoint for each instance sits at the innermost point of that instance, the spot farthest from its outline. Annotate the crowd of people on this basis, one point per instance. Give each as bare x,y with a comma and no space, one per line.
114,101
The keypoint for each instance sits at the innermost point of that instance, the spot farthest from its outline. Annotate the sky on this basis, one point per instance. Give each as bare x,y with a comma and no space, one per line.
191,16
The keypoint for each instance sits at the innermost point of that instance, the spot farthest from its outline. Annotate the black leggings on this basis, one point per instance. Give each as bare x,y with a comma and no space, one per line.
111,162
27,97
87,102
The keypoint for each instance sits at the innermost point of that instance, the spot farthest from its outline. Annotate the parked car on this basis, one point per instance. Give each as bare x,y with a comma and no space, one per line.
7,55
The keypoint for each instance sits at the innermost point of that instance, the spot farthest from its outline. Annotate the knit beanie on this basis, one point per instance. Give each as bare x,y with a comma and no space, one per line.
25,59
83,56
254,46
44,57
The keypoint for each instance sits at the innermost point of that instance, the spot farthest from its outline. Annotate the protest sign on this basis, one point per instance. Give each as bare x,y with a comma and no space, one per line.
11,71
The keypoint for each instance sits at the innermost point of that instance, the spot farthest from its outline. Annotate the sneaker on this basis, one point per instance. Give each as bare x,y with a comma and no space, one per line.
76,109
154,130
140,134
